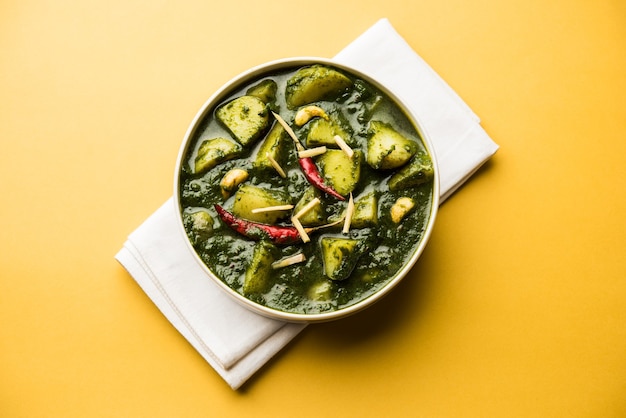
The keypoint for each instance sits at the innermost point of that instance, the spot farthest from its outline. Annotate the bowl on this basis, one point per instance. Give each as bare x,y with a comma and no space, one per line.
241,155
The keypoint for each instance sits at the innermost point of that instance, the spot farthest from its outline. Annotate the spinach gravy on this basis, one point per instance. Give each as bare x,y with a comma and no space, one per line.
307,190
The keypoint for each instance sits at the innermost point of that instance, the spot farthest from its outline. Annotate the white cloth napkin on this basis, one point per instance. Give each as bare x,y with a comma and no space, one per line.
235,341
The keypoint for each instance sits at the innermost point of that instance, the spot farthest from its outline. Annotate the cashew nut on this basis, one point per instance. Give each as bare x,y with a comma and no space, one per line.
307,113
401,208
231,180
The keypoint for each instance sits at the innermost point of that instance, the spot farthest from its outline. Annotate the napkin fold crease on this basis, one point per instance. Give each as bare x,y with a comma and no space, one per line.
237,342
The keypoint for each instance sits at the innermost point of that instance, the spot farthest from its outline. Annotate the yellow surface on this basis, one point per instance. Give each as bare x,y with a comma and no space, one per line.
516,309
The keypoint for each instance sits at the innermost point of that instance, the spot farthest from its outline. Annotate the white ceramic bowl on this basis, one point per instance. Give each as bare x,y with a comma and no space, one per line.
246,78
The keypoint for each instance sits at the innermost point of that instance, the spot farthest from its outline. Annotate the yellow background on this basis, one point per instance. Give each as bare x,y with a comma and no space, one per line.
516,309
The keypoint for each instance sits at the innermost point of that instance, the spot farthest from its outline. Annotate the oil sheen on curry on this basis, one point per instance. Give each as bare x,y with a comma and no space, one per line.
307,190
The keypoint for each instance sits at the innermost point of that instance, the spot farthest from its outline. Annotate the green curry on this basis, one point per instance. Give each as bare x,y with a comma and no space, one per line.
307,190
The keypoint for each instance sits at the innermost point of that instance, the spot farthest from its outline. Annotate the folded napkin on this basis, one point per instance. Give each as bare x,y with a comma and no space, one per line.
237,342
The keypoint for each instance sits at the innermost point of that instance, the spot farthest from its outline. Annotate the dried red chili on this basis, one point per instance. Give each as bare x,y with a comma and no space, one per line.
307,164
313,176
255,230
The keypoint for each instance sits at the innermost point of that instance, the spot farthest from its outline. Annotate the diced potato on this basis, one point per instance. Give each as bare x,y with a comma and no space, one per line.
341,172
320,291
215,151
246,117
322,132
365,211
199,225
340,256
272,145
264,90
387,148
200,221
314,216
314,83
257,277
418,171
401,208
249,197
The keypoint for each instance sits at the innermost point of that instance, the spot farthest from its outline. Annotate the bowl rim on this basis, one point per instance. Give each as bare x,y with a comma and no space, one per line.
236,83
